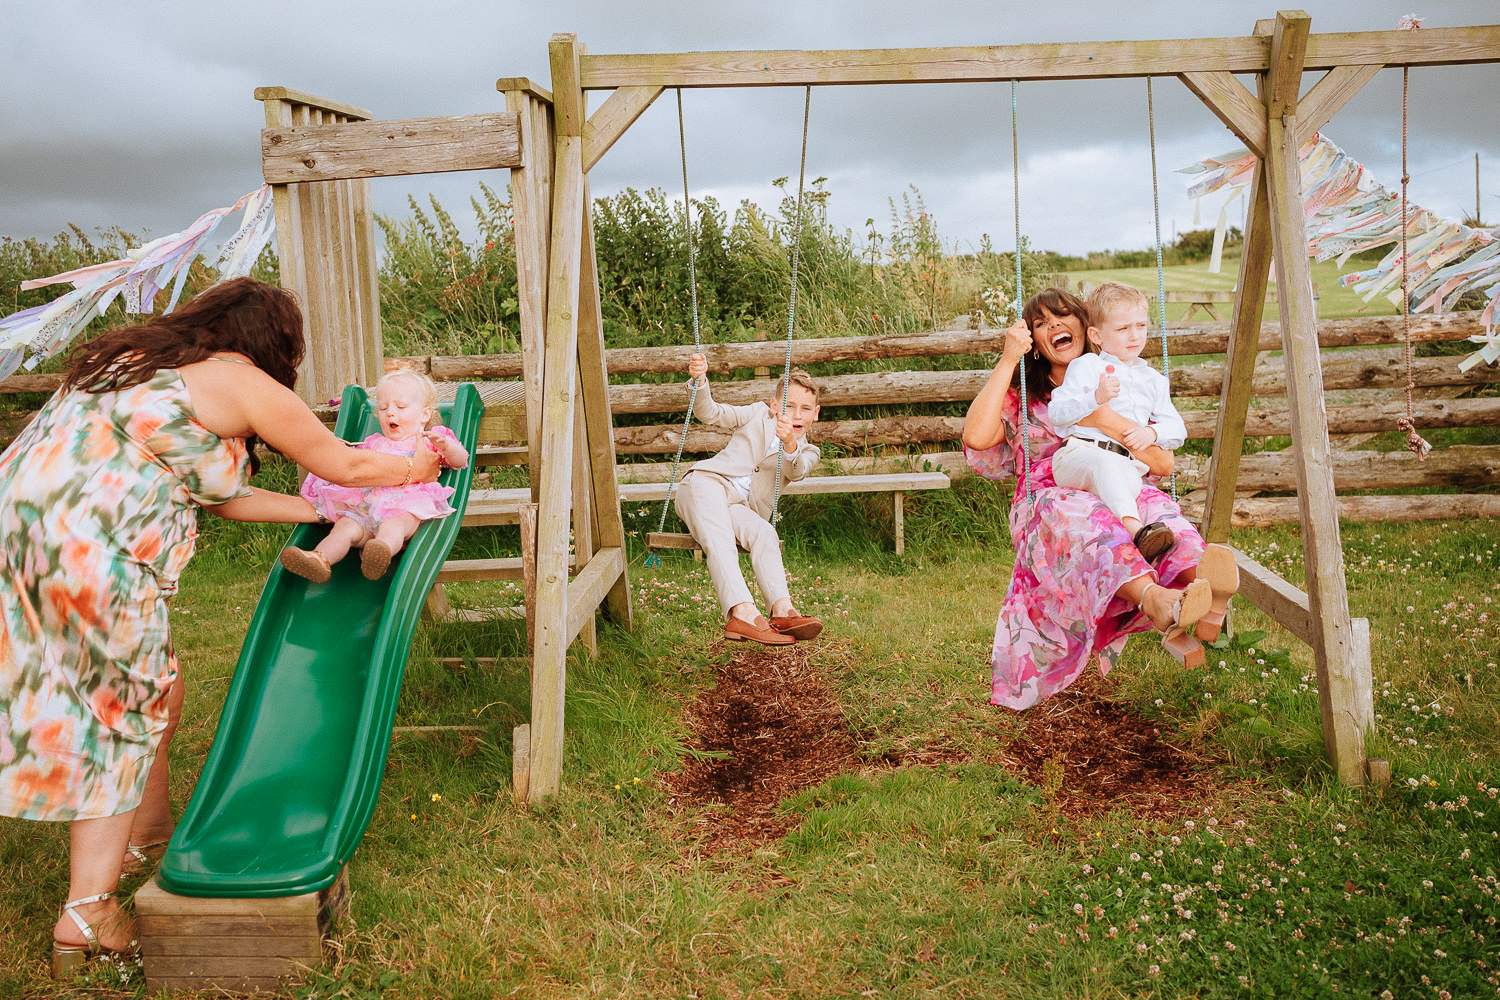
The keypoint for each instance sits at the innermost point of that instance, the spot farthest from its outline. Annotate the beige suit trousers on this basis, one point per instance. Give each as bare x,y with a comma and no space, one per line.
720,522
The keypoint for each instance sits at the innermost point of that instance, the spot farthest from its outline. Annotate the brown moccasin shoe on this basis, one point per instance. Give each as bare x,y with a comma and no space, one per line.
374,559
798,626
756,631
1153,541
306,563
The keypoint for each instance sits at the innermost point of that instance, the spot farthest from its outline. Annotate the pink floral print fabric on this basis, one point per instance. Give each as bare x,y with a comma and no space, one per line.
1072,554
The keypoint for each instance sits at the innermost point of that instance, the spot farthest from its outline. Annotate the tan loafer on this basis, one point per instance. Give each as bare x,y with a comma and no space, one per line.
757,631
800,627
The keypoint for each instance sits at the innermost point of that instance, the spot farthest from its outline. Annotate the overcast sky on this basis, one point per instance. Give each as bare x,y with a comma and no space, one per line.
142,115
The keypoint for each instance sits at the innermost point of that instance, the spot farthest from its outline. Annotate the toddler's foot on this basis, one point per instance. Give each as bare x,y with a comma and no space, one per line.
374,559
308,564
1153,541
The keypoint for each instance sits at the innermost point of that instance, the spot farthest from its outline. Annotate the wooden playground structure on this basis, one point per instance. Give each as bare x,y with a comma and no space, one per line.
319,156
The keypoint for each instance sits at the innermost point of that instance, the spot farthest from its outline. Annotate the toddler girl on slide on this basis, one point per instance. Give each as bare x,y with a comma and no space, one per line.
380,519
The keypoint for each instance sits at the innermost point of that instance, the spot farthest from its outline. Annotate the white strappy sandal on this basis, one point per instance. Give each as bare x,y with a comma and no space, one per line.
69,958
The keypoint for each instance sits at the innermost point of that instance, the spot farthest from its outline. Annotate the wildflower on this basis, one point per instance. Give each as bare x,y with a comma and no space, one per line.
436,797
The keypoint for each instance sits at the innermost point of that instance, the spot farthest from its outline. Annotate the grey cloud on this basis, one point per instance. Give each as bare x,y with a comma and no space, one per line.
155,122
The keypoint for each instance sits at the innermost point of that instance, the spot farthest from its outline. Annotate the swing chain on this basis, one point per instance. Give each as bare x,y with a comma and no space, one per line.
687,215
1015,163
791,312
1161,292
1415,443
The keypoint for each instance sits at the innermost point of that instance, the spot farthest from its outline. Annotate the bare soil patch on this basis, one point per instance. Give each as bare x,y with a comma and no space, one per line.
1109,757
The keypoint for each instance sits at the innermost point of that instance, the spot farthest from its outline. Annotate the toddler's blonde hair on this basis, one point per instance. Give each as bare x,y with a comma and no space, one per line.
1107,296
427,386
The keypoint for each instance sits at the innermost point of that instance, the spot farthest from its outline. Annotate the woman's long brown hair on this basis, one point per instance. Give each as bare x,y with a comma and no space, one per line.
1038,369
243,315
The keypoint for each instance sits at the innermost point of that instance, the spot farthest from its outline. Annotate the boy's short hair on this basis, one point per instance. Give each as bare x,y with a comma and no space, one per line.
1107,296
798,377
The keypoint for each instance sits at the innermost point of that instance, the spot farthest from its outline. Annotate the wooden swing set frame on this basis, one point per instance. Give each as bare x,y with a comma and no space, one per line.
318,155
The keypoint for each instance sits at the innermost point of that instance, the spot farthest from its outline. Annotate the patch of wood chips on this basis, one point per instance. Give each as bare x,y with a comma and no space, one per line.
1109,757
769,728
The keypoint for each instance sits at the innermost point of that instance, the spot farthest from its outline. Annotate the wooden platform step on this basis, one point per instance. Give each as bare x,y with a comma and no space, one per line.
234,945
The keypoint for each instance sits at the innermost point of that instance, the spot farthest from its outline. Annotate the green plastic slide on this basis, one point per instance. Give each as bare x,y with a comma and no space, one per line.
295,768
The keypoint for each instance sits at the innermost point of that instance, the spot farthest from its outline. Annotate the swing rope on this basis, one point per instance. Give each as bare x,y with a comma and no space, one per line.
1015,166
791,312
1408,423
687,215
1161,291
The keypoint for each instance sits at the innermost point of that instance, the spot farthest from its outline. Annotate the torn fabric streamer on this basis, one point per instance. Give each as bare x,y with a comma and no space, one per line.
46,329
1348,211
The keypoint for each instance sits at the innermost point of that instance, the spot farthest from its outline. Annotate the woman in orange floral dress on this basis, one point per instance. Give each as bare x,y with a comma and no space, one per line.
99,499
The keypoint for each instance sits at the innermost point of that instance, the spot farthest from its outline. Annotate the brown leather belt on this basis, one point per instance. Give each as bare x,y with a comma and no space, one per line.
1118,449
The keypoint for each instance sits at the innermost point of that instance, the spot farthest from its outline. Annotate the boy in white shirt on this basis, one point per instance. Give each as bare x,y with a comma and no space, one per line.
726,501
1117,376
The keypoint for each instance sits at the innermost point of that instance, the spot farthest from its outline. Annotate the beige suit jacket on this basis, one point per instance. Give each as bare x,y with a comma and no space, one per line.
745,454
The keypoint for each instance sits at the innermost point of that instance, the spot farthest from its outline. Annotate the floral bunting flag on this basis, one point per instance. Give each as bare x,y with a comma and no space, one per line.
46,329
1348,211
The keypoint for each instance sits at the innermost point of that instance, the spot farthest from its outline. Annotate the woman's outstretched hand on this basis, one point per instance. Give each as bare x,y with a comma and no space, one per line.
424,464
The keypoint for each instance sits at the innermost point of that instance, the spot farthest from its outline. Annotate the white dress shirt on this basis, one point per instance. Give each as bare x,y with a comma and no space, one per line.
1145,398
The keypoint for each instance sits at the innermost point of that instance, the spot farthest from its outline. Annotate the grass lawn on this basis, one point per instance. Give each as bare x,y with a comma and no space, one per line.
930,867
1334,300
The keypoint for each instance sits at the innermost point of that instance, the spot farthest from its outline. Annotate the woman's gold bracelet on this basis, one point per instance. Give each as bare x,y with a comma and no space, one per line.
410,462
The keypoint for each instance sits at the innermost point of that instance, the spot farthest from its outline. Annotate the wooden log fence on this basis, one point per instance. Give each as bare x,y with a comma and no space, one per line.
1268,472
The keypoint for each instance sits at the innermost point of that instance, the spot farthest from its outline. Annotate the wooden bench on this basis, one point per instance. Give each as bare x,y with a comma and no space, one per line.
503,506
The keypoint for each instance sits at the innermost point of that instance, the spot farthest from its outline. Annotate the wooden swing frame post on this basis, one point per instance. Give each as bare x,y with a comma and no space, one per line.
1273,124
550,143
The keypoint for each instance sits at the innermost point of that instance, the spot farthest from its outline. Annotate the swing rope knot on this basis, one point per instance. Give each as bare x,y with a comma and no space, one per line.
1415,443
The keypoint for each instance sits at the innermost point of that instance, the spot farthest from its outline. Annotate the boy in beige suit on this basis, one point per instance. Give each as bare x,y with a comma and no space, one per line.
726,501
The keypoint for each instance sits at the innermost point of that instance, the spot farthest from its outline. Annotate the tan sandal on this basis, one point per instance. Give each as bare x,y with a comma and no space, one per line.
1218,567
1177,638
69,958
310,564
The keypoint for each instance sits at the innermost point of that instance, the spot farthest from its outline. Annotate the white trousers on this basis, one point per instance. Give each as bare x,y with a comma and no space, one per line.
721,522
1115,479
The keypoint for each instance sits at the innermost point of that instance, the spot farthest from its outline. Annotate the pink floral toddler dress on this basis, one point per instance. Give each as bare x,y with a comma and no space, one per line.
370,505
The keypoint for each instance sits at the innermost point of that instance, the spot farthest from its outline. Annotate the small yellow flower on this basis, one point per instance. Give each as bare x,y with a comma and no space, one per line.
617,788
436,797
413,815
635,781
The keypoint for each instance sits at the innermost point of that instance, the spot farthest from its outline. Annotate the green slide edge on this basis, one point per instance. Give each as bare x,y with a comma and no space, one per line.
294,772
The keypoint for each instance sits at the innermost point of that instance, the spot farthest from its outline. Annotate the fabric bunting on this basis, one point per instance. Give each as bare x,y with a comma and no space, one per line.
46,329
1348,211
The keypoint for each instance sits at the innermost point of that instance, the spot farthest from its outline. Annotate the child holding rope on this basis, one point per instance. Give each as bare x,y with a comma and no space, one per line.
726,501
380,519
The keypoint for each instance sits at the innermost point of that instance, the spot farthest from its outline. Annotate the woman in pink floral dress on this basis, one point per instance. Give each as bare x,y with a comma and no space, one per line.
1079,586
99,500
